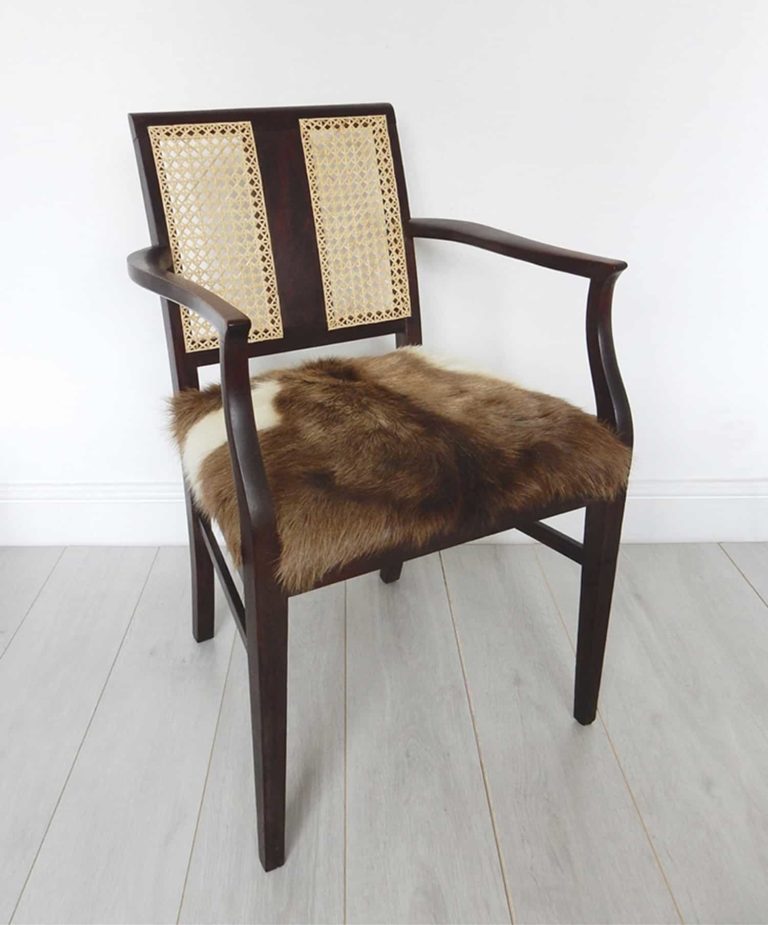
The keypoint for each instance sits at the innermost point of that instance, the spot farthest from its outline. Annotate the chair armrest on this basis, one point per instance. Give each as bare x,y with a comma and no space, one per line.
610,395
512,245
151,268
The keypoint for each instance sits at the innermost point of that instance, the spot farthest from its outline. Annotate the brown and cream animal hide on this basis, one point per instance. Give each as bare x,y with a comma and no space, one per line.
366,454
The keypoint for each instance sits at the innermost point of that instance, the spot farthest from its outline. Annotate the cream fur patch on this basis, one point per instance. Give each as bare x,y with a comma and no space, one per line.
210,432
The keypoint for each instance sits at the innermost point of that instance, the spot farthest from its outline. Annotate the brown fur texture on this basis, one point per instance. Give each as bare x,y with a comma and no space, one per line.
376,452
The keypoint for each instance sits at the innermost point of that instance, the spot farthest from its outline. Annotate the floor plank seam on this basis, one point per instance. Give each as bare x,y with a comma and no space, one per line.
640,817
33,602
85,733
344,866
741,572
615,754
486,786
205,780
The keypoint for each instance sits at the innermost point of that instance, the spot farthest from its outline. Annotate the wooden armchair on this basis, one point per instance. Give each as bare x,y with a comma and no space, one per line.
279,229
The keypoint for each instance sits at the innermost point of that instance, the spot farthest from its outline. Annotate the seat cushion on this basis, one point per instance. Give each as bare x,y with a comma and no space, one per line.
363,455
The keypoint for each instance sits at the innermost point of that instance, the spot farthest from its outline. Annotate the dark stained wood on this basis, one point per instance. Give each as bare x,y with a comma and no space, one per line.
203,614
305,339
266,610
184,376
555,539
411,333
610,395
218,561
266,607
291,224
512,245
262,612
262,118
292,230
151,268
394,557
391,573
602,532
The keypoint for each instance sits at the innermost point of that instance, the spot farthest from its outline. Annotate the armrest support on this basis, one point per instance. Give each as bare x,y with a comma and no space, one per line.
610,396
512,245
151,269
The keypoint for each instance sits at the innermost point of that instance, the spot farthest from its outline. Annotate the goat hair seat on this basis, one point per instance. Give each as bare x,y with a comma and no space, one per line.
370,454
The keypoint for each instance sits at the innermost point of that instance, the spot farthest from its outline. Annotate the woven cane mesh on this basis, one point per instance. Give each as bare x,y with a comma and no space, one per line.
217,224
357,219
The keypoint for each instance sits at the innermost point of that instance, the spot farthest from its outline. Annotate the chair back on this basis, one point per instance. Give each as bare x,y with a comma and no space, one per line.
296,216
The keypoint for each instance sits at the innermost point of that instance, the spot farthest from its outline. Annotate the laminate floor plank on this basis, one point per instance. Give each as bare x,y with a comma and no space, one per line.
51,678
23,572
420,841
573,844
126,780
752,561
226,882
118,847
684,700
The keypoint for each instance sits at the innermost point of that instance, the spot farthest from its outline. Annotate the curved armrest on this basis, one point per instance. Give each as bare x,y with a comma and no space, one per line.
151,268
610,395
512,245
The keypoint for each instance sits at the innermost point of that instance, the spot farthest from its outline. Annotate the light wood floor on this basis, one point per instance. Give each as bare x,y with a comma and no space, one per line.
435,773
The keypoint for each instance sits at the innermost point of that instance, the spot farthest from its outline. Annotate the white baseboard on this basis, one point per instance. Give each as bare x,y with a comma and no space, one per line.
98,513
152,513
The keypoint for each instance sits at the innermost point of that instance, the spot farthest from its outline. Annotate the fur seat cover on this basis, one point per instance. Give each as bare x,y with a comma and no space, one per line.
366,454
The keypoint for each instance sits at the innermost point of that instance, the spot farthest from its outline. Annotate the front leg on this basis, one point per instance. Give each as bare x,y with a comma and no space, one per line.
267,644
602,531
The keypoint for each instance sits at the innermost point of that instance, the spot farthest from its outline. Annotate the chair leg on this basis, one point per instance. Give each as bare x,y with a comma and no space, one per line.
268,681
391,572
202,579
602,532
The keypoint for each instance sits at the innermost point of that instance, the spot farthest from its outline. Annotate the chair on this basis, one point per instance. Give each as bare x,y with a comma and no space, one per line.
279,229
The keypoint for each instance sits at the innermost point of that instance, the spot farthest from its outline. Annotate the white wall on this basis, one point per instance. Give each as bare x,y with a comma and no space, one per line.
636,129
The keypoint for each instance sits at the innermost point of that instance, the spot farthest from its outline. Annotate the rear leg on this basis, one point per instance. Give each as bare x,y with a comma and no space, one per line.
390,573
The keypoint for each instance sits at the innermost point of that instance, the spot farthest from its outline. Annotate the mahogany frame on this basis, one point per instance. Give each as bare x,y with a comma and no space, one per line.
261,613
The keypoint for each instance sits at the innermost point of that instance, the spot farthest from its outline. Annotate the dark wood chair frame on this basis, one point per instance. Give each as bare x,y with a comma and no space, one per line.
261,613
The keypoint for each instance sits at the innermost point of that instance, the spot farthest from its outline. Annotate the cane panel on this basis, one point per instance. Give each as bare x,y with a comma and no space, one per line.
213,201
357,219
